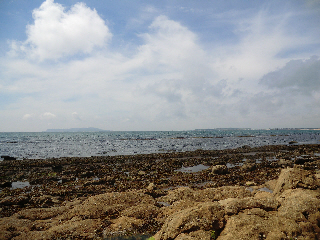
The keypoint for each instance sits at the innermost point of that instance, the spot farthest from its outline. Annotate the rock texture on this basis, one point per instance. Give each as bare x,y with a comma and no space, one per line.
273,195
292,211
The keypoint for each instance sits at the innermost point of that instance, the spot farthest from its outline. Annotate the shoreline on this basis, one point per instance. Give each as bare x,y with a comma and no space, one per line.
57,183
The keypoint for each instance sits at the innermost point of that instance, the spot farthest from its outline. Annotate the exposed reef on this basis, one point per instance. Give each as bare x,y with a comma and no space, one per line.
269,192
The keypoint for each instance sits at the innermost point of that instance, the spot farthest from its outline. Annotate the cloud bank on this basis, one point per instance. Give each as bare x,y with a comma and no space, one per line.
66,68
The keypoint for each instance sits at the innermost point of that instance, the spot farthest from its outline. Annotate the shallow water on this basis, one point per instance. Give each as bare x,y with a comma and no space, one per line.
231,165
265,189
193,169
44,145
18,184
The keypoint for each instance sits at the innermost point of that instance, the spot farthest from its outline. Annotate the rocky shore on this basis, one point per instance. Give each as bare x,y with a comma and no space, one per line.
269,192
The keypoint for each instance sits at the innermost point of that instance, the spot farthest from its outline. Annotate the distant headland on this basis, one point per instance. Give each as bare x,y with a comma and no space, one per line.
90,129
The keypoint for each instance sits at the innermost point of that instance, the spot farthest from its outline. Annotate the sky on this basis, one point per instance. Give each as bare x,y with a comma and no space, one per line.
159,65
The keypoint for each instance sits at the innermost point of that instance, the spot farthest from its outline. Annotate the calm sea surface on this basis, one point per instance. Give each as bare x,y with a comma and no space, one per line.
42,145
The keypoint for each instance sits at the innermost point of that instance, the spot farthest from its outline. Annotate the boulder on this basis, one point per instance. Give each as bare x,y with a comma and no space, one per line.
257,223
248,167
292,178
109,204
204,217
233,206
219,169
299,204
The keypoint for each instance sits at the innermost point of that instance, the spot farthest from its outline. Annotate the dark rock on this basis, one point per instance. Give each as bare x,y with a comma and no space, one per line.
7,158
87,174
246,147
14,200
248,167
5,184
219,169
68,179
57,168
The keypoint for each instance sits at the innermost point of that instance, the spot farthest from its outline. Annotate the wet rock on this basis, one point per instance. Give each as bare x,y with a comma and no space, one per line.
5,184
248,167
7,158
219,169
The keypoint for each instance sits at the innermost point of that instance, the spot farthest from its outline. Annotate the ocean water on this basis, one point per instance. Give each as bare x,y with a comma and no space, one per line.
43,145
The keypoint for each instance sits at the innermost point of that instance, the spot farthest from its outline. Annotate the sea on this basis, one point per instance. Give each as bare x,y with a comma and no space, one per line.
47,145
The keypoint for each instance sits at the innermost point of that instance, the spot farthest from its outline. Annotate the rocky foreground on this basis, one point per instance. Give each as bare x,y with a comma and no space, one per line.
271,192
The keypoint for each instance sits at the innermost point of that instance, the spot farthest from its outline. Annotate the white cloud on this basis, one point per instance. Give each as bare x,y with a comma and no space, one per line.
57,33
48,115
27,116
168,46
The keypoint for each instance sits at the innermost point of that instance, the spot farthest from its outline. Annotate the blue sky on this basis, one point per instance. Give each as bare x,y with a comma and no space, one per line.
159,65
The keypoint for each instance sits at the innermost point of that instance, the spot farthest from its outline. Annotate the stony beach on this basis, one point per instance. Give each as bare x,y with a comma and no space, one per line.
269,192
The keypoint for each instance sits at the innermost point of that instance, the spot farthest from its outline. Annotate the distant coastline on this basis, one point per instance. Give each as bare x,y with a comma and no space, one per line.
234,129
222,129
90,129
